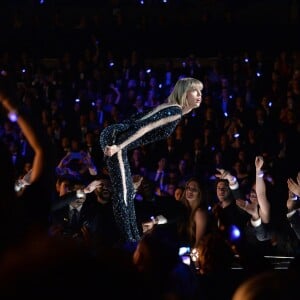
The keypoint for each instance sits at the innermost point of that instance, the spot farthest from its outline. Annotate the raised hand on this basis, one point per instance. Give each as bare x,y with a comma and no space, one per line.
293,186
92,186
259,161
250,207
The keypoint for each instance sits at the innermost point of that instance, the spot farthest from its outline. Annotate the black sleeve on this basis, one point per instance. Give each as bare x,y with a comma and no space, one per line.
64,201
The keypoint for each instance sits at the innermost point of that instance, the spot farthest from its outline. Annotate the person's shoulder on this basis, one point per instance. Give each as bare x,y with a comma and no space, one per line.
171,108
200,212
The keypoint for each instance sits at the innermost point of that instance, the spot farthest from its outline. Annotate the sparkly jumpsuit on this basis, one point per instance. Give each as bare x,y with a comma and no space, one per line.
140,129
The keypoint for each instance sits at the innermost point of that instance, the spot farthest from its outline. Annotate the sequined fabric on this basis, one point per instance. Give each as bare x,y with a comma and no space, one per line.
140,130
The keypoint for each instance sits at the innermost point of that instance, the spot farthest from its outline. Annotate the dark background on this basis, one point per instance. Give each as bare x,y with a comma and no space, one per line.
158,29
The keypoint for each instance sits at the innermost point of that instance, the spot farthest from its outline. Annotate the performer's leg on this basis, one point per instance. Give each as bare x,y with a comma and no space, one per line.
128,191
120,209
121,179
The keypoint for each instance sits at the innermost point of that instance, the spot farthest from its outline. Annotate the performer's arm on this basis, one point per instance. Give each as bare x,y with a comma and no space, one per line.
111,150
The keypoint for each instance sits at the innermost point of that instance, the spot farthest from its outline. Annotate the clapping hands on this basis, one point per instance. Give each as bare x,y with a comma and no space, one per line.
294,186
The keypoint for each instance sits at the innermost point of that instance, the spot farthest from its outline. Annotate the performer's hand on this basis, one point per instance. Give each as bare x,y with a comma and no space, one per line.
111,150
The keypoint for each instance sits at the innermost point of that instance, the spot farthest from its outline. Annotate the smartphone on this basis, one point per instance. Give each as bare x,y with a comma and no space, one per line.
184,253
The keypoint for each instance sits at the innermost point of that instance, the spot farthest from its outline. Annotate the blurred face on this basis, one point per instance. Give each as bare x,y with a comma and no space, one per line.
192,191
78,202
104,191
178,193
222,191
63,187
171,189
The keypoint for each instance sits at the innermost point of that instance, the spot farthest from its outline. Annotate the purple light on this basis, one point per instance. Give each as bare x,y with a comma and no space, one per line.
13,116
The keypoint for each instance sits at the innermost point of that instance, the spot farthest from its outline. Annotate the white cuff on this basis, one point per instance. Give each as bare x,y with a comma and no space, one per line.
289,214
234,186
256,223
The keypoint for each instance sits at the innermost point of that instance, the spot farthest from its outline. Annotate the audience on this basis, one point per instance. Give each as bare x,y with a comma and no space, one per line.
199,187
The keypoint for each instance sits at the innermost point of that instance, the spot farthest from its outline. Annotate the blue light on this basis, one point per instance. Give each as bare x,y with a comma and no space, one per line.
246,60
236,135
160,85
148,71
77,100
234,233
111,64
184,250
258,74
225,114
270,104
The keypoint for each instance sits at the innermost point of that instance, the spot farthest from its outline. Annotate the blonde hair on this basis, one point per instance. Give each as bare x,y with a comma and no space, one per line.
182,86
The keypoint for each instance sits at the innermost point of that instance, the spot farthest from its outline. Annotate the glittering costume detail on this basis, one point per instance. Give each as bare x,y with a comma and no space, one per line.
140,129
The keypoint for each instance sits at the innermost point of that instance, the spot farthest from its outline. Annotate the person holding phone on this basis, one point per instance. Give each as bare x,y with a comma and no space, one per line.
141,129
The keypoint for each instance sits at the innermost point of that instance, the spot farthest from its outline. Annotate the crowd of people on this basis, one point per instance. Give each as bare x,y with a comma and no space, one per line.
225,183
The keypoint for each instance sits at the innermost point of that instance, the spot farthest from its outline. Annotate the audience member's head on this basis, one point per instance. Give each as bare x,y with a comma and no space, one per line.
271,284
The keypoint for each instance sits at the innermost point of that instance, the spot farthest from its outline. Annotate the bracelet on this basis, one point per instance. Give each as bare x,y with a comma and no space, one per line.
13,115
256,223
260,174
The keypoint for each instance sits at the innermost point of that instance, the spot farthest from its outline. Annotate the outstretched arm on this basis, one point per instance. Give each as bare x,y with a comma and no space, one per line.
264,204
111,150
30,135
